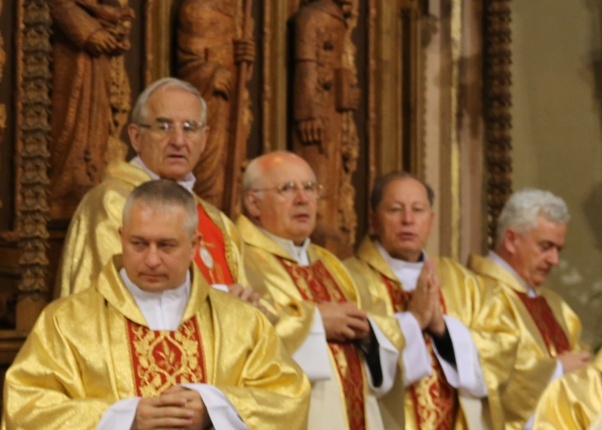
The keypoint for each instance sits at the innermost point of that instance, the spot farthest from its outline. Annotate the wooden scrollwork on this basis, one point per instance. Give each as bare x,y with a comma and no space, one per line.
498,101
33,132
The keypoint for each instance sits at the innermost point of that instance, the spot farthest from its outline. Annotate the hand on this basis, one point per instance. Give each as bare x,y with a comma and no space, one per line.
311,131
343,322
165,411
222,82
437,324
422,303
101,42
244,51
194,402
574,360
246,294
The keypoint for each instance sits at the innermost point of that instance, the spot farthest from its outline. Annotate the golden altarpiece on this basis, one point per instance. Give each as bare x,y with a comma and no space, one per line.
357,87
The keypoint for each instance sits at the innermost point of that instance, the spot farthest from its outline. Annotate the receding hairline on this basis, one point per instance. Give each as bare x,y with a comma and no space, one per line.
258,166
382,183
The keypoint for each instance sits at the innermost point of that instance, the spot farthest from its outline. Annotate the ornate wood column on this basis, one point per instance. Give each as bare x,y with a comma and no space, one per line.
33,128
497,101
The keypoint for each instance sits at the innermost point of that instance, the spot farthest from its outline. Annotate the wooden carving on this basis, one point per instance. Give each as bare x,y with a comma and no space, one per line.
33,122
498,101
215,54
88,35
2,107
325,96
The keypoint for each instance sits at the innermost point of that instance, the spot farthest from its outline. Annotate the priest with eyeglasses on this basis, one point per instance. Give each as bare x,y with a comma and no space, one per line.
168,132
348,350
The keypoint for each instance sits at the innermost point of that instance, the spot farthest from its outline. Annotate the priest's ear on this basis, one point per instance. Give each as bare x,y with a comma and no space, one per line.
252,205
511,239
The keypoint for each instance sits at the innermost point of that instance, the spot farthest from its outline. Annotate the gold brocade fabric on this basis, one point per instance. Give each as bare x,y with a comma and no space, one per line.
162,359
266,273
316,285
518,367
461,296
432,401
77,360
93,235
573,402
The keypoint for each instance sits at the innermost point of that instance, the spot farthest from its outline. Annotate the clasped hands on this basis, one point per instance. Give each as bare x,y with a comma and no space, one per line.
344,322
176,407
425,302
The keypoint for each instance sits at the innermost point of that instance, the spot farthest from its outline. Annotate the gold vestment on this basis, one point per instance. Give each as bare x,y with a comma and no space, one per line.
93,235
79,359
462,296
267,274
572,402
521,366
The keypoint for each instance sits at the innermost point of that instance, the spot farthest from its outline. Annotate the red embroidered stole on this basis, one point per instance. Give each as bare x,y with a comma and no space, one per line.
553,336
214,268
317,285
162,359
434,401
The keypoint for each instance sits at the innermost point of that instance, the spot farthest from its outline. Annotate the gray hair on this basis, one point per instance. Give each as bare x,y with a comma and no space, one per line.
379,187
139,112
524,207
164,194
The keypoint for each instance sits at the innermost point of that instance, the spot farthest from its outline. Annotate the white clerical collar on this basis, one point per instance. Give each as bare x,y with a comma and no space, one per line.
493,256
162,310
298,252
187,183
406,271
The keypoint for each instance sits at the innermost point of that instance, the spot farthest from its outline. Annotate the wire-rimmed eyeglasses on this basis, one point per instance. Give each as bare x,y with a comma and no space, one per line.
291,188
168,128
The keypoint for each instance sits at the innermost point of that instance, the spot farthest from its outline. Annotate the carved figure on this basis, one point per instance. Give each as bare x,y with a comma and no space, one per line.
88,34
325,96
2,107
213,58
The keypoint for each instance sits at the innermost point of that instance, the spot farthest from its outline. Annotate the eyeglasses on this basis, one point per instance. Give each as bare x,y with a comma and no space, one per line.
190,128
290,189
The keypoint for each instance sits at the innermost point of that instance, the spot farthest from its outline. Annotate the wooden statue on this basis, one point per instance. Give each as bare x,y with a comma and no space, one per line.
88,35
215,52
325,96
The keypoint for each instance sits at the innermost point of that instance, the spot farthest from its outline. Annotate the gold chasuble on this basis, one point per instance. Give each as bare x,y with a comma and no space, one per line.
92,349
93,235
271,268
573,402
431,402
529,333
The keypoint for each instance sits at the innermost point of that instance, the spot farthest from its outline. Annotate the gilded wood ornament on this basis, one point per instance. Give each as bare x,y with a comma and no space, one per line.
497,101
89,95
215,54
326,94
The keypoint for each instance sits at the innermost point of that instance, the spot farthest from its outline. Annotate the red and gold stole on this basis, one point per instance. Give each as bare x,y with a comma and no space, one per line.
434,401
553,336
162,359
317,285
211,256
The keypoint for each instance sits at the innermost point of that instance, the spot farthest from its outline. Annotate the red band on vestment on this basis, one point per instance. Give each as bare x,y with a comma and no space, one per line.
162,359
317,285
212,241
434,400
553,335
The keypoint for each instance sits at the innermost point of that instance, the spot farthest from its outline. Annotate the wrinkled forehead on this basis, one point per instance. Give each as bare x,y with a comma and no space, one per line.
408,190
286,169
173,103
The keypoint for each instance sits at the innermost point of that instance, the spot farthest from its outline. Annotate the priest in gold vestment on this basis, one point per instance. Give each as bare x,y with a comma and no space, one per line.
433,302
168,133
150,345
538,331
573,402
350,357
